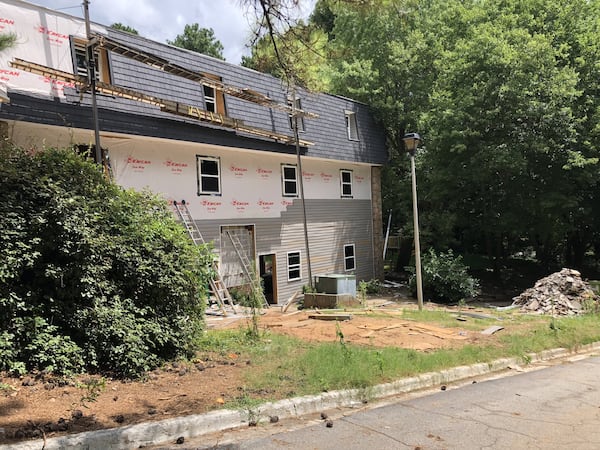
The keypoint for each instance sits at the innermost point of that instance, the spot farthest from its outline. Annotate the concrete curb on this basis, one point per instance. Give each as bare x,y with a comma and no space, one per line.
167,431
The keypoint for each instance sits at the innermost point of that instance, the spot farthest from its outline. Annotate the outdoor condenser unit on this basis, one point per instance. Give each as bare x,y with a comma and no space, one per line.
336,284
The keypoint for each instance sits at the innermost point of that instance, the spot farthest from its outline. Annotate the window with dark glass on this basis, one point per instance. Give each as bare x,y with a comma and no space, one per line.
209,175
289,179
349,261
80,65
346,183
209,98
293,266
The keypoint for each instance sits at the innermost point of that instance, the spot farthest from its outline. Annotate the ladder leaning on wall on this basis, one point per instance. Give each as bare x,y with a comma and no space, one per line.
217,286
248,267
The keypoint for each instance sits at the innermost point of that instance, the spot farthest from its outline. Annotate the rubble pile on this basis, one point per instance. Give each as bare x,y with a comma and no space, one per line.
563,293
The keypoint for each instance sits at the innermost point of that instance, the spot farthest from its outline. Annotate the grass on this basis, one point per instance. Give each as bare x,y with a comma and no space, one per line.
284,367
6,388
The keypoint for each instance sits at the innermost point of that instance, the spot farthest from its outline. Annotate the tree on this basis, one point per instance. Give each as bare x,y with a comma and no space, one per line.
126,28
504,94
284,46
301,51
91,276
201,40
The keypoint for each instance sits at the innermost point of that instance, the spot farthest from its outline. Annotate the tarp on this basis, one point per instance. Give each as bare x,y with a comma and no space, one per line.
43,37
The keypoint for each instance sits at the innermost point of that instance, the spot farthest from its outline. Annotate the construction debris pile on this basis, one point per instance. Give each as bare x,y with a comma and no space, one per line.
563,293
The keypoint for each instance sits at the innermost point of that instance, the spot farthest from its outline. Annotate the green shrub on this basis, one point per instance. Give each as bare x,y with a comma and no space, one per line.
445,278
372,286
91,275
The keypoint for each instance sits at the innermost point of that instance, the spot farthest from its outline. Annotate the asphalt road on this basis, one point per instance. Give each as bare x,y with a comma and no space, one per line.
556,407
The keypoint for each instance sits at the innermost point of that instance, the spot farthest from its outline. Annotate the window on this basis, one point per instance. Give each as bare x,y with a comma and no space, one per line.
293,266
80,67
209,98
209,175
346,183
351,127
214,100
300,118
289,179
349,261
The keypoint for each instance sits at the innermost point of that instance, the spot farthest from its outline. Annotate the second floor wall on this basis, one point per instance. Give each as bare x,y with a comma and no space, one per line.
226,183
343,129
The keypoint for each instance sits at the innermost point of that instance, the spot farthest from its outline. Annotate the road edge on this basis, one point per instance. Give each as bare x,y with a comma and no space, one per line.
194,426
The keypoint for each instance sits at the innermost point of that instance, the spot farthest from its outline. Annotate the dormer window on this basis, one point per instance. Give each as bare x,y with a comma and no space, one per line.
214,100
351,126
298,105
80,66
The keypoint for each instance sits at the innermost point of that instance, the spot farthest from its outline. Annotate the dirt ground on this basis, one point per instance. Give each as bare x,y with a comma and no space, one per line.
39,406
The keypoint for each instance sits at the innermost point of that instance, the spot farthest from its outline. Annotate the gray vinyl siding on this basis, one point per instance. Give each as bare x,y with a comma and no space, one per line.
331,225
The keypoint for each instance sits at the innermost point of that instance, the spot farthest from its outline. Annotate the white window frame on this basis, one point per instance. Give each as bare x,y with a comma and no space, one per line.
201,176
294,267
300,118
210,98
351,125
351,258
285,180
346,183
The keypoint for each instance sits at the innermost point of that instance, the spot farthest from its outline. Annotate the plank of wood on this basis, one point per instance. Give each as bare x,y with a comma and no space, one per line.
330,316
293,299
478,315
492,330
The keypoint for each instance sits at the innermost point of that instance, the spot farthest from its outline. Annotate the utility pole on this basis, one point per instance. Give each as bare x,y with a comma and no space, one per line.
411,142
301,183
91,67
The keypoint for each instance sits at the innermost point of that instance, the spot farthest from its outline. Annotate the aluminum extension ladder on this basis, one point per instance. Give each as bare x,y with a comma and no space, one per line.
248,268
217,286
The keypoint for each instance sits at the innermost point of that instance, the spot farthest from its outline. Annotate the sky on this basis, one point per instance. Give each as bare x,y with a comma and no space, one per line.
160,20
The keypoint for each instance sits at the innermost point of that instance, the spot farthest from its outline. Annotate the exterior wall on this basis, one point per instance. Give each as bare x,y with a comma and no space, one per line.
252,195
156,150
44,38
331,225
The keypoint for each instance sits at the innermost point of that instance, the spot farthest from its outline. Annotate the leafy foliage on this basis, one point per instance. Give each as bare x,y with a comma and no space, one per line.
299,51
91,276
445,278
122,27
505,94
201,40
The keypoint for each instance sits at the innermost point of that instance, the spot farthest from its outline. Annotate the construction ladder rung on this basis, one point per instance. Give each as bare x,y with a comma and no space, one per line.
217,286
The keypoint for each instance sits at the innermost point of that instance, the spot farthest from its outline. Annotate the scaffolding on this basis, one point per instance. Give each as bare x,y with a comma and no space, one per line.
175,69
170,106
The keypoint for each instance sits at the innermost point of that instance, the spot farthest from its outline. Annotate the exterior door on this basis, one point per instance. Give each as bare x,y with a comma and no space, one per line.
268,276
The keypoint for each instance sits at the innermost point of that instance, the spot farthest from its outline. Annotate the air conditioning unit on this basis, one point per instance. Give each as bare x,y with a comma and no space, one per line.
336,284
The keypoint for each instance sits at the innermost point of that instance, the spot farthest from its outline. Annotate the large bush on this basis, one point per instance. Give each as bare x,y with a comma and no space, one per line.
91,276
445,278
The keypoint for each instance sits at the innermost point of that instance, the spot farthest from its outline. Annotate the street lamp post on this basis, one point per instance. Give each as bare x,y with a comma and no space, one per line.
411,142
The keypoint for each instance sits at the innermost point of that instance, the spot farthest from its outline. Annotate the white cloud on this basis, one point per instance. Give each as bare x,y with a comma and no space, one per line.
160,20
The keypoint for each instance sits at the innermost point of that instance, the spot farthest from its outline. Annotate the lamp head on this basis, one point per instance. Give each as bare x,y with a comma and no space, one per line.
411,142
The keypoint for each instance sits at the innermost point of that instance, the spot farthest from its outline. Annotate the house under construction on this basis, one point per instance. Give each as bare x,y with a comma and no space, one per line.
215,135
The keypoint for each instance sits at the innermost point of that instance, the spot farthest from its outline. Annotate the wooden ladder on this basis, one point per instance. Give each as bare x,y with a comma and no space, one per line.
248,268
217,286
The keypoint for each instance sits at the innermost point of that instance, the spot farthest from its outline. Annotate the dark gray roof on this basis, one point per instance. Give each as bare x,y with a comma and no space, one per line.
327,132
